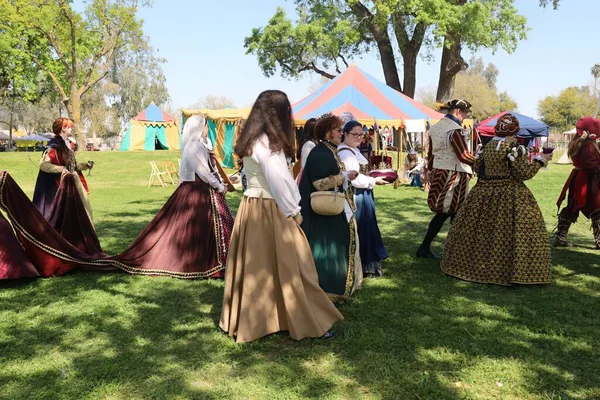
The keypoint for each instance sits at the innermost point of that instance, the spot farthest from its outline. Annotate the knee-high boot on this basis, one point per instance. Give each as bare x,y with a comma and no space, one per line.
562,229
595,217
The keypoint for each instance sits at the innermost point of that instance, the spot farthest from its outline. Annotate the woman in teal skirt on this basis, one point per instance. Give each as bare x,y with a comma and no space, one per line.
333,239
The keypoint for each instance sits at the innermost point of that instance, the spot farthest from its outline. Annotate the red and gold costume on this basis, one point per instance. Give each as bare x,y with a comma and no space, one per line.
582,188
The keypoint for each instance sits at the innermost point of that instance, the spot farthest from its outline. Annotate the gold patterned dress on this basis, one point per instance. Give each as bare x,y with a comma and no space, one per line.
499,235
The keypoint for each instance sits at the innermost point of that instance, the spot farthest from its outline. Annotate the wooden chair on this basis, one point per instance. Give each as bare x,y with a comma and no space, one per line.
171,170
156,173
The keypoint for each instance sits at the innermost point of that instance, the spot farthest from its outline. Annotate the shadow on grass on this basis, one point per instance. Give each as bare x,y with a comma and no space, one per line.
413,334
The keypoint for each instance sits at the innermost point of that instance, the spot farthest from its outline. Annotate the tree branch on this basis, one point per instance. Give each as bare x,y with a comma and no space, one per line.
52,76
73,43
343,59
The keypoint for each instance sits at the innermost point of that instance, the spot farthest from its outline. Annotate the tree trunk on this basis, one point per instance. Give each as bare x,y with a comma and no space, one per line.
410,73
384,44
451,64
388,62
73,107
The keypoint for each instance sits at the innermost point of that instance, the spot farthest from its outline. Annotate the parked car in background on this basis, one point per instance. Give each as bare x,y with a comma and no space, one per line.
91,147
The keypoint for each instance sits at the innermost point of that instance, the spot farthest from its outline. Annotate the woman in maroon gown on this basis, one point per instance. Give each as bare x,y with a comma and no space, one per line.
188,238
191,233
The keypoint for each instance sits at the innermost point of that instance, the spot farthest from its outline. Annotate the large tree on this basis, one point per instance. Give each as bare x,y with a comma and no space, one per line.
564,110
395,29
140,79
74,49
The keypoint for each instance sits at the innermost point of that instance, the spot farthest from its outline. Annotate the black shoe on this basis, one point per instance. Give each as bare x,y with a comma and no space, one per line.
329,335
421,253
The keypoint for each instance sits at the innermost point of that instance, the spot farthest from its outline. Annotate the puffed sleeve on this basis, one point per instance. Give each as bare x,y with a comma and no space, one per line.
351,163
281,184
324,172
521,168
49,163
198,157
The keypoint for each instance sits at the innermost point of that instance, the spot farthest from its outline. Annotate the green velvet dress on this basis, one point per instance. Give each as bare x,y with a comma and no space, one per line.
332,239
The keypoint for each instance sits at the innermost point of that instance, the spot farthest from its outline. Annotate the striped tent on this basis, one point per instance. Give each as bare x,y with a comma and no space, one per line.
366,98
152,129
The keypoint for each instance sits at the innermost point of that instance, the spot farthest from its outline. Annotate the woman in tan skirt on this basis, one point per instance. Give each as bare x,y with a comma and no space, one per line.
271,283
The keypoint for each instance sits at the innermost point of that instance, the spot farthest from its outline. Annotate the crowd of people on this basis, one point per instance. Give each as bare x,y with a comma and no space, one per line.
298,247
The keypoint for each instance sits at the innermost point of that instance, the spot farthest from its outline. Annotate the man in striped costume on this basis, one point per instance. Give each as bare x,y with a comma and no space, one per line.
449,166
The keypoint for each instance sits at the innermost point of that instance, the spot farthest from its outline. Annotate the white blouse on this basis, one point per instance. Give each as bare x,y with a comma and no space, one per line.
195,161
352,160
306,148
268,176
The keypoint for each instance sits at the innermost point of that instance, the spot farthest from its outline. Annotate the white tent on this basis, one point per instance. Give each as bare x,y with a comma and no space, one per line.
565,159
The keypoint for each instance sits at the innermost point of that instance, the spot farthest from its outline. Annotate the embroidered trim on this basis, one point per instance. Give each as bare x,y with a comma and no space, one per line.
340,298
100,262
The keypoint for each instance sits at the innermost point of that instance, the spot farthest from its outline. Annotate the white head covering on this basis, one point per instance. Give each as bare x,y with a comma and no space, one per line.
193,147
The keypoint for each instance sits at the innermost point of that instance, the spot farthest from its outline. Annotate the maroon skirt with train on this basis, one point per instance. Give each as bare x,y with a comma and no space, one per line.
188,238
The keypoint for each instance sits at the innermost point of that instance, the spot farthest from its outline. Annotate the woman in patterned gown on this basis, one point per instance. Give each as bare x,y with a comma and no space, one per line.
499,235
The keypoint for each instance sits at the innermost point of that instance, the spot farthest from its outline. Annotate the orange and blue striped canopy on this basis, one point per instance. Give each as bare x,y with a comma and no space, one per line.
365,97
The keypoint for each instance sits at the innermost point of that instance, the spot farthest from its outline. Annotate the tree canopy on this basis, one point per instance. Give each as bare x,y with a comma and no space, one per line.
563,111
327,33
76,50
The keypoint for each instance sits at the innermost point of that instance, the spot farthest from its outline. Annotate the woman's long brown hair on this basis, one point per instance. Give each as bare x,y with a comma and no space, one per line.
271,114
65,154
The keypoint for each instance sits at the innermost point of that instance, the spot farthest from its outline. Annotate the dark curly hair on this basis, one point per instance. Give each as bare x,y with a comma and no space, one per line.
327,124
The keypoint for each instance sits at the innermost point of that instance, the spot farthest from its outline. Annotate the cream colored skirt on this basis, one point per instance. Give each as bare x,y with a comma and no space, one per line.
271,283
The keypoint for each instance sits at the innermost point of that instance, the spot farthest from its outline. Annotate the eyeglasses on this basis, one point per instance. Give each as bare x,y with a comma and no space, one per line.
357,135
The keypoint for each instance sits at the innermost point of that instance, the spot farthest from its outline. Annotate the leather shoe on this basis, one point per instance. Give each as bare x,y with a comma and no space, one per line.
422,253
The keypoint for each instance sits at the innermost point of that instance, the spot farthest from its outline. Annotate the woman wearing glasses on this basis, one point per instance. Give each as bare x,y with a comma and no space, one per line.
332,238
372,249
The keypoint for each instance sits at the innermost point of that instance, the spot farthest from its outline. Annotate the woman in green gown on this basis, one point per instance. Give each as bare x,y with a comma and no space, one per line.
333,239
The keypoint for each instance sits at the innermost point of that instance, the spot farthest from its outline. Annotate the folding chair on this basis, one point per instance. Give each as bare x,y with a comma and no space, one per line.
156,173
170,170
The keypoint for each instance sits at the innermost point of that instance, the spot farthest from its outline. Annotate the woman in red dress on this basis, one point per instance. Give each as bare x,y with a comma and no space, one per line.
582,186
58,160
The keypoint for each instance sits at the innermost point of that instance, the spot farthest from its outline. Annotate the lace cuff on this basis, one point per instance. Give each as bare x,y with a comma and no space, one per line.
329,182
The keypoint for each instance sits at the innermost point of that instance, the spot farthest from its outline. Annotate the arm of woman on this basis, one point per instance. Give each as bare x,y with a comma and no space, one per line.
282,186
199,158
49,162
351,163
306,148
522,169
324,172
82,166
590,157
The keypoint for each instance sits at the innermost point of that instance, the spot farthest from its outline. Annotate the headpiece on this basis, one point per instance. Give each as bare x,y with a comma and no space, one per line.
588,127
455,104
349,125
507,125
412,152
326,115
347,116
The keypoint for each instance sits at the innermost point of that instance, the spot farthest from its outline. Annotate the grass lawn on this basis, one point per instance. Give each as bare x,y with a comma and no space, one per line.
414,334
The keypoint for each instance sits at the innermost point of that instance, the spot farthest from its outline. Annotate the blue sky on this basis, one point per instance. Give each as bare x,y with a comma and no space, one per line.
203,43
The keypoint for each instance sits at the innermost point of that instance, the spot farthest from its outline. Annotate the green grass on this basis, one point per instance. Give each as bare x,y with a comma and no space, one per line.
414,334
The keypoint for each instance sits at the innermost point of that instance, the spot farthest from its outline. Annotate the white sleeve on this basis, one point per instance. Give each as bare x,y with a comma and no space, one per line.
306,149
199,158
282,186
351,163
